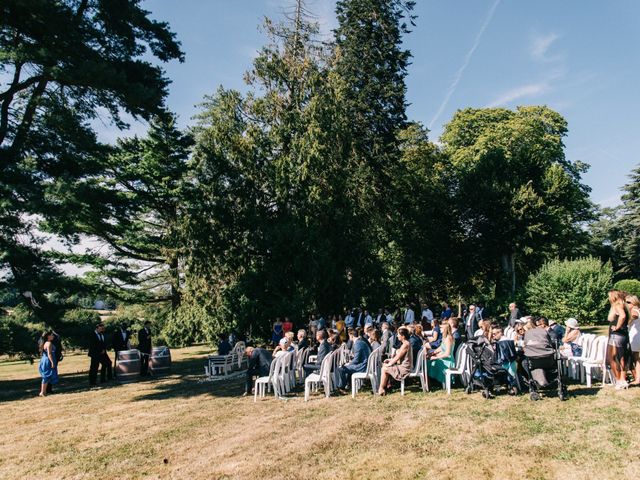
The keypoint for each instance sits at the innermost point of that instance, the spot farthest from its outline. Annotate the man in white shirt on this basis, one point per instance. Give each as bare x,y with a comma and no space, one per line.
409,316
427,313
368,319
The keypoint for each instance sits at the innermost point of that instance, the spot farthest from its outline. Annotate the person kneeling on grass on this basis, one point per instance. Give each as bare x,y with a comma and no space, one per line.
259,365
361,350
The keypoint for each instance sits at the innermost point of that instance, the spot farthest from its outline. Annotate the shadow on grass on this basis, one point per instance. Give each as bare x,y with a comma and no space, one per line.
185,380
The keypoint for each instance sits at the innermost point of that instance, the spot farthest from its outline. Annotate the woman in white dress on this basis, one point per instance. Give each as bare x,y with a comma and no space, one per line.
634,336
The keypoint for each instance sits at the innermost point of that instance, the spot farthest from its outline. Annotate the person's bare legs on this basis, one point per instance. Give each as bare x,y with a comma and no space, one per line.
384,381
613,362
43,389
635,367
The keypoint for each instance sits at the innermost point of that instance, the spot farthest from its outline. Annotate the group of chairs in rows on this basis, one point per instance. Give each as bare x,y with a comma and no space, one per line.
287,369
223,365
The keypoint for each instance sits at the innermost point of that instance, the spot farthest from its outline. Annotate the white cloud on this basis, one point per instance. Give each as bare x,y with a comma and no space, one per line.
540,46
467,59
530,90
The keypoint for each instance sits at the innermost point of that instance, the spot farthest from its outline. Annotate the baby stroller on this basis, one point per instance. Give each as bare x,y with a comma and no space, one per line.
486,373
542,364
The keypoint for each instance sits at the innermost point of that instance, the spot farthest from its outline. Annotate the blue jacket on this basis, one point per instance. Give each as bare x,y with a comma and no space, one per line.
361,352
324,349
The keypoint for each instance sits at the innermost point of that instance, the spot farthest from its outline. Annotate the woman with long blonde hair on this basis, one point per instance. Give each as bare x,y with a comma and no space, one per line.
633,303
618,337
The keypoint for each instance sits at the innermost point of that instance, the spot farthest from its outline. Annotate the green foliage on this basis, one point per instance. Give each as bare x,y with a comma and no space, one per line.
19,333
65,63
570,288
519,200
76,326
629,286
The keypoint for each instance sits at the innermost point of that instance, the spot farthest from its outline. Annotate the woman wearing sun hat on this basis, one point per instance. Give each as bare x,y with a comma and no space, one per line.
571,340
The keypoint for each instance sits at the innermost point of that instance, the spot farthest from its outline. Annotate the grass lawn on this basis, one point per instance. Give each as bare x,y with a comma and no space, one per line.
178,427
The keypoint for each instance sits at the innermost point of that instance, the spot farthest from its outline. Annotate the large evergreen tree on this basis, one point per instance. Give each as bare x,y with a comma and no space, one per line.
68,62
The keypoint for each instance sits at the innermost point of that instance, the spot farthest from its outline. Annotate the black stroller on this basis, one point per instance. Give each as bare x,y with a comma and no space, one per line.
485,372
542,364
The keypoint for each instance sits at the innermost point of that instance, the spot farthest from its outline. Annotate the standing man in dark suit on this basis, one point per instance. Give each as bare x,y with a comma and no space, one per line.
99,356
144,345
361,352
120,341
324,349
259,366
514,314
471,322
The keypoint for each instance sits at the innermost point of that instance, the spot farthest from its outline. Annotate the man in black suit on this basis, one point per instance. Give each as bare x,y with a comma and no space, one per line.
99,356
259,365
120,341
471,322
324,349
144,345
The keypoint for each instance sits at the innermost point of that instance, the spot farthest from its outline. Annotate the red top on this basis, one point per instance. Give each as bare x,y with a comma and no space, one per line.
287,326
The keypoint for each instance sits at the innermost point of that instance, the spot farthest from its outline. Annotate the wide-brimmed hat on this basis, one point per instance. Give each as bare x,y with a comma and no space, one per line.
571,323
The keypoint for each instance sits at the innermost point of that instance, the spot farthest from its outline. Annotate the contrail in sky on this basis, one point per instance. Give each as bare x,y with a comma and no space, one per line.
458,76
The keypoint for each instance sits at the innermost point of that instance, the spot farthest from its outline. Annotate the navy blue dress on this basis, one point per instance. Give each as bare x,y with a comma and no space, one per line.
48,372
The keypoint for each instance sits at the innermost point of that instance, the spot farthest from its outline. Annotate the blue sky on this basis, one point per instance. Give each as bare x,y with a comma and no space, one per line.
579,57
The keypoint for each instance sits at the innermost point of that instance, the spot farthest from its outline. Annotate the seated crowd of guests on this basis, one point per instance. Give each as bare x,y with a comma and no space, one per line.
402,336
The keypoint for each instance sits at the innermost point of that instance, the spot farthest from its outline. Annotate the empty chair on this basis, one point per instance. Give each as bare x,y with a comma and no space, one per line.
597,361
575,363
220,364
460,368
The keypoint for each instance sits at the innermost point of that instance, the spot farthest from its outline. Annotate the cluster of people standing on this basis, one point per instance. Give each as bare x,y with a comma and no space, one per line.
99,345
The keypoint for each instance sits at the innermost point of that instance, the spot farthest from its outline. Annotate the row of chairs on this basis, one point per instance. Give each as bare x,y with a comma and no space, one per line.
592,360
218,365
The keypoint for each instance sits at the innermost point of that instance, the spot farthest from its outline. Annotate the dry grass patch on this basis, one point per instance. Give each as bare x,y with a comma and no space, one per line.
207,431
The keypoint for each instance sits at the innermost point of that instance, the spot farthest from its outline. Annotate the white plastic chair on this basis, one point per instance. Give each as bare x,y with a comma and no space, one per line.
238,350
220,364
372,374
461,365
301,358
262,385
575,363
419,370
324,377
597,361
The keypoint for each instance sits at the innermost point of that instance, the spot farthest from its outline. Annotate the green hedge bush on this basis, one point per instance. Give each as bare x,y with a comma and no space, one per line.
570,288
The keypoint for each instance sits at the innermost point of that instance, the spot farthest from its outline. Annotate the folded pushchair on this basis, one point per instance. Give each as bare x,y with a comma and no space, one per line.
486,372
542,364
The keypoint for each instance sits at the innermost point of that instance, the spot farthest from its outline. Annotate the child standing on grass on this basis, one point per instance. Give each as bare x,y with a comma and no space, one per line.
48,367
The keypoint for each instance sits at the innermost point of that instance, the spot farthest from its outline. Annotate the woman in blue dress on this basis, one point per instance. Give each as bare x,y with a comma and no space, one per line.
48,367
277,332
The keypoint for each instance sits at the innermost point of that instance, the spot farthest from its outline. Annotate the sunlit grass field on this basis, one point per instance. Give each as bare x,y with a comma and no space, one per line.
179,427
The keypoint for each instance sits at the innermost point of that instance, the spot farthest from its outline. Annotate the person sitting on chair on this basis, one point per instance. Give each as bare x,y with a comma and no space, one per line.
374,339
303,342
324,349
361,352
398,367
259,364
224,347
